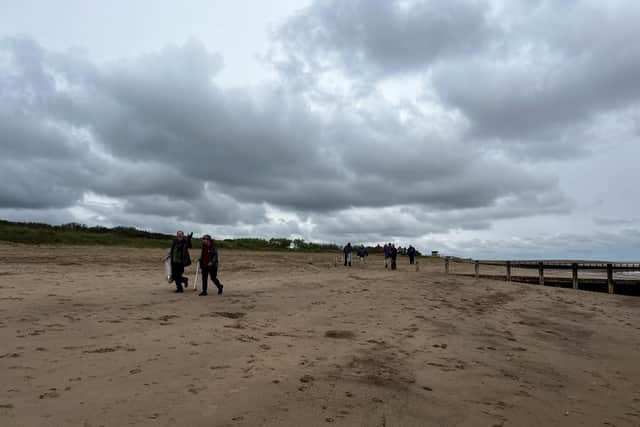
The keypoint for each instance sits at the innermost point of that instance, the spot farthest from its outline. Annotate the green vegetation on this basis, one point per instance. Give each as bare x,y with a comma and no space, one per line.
276,245
80,234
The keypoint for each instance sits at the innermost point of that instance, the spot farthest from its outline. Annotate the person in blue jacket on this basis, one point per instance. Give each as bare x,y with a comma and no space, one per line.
387,254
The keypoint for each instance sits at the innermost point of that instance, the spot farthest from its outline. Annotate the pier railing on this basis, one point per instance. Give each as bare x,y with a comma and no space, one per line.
609,267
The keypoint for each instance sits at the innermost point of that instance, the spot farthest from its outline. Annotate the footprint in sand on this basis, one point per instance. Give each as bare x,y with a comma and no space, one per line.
51,394
340,334
100,350
228,315
12,355
307,379
216,367
247,338
195,390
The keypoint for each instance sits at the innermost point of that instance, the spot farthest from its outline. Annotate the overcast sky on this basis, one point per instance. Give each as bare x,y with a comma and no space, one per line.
481,128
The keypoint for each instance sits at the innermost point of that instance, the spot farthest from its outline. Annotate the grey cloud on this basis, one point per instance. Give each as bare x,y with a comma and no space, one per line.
525,103
608,222
380,37
620,246
122,177
556,71
212,208
534,79
42,215
34,185
157,131
412,221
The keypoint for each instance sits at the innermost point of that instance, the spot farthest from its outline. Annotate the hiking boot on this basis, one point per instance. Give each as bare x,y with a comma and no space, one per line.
202,294
220,289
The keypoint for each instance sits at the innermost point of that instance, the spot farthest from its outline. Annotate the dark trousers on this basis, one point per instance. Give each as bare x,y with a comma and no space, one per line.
213,272
411,259
177,269
347,259
393,263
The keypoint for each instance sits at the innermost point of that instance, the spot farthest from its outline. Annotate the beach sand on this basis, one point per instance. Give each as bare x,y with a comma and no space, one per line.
94,336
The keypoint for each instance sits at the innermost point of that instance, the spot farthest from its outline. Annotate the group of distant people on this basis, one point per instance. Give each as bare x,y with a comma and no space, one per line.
208,262
390,255
347,250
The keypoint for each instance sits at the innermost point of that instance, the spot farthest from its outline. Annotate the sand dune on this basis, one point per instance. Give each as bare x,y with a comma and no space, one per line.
95,336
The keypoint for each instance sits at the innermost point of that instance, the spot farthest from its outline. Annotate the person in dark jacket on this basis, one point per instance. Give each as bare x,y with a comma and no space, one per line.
362,252
209,264
180,259
394,256
347,254
412,254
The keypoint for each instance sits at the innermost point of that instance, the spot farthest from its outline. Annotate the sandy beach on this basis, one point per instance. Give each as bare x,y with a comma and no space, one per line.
94,336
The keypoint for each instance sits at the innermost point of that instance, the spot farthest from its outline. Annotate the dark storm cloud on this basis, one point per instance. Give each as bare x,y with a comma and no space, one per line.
158,134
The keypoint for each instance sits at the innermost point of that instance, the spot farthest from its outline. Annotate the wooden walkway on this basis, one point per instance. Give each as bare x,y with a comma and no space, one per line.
612,286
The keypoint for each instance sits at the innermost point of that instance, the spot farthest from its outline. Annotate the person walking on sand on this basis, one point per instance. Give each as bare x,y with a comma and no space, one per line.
347,254
412,254
387,254
362,252
209,264
394,256
180,259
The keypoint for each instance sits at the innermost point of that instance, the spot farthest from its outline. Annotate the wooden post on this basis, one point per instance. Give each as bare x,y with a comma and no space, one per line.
446,265
417,267
574,271
541,273
508,271
610,277
477,269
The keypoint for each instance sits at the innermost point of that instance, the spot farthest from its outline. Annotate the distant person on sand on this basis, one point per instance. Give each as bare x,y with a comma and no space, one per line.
387,254
394,256
180,259
362,252
209,264
347,254
412,254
